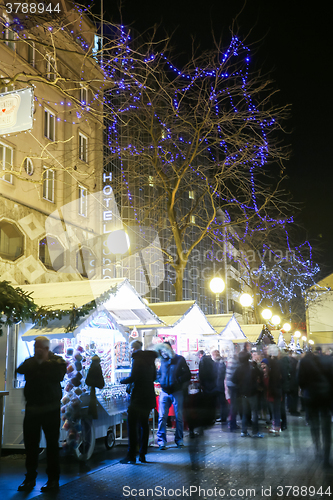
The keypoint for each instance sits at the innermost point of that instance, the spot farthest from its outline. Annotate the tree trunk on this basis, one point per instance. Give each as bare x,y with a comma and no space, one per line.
180,269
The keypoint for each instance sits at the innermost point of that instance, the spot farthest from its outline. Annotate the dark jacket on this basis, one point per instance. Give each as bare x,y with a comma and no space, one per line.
174,374
143,375
246,376
42,389
316,377
208,373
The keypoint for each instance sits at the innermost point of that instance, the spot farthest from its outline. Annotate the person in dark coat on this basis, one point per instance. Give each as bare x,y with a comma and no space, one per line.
208,373
315,378
94,379
43,373
174,376
142,401
246,379
220,380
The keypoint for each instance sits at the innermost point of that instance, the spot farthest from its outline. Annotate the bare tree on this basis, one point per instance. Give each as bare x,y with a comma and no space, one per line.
198,142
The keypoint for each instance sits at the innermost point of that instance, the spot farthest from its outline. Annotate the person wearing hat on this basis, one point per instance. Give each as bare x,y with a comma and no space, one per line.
142,400
43,373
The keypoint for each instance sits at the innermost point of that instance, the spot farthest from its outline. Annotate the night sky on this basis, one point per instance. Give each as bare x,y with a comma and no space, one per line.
291,41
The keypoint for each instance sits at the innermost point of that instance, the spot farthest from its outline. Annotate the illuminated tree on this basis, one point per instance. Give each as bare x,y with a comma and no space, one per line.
198,142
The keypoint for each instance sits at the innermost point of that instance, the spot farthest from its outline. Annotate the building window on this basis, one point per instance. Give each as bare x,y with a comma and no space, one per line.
6,162
83,147
9,36
191,195
48,184
85,262
83,95
51,68
49,125
51,253
192,219
83,201
11,241
151,181
28,166
31,53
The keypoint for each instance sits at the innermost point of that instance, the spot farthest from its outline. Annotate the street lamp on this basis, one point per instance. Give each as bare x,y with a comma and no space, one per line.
286,327
276,320
217,286
297,334
266,314
246,301
118,244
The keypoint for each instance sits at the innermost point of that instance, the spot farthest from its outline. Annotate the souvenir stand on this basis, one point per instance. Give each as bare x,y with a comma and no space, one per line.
96,332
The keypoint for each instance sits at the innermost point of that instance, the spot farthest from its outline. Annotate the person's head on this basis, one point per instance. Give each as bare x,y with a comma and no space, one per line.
215,354
318,350
200,353
41,348
136,345
265,366
247,347
165,350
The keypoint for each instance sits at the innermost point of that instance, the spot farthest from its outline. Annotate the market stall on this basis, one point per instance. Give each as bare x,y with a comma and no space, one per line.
95,331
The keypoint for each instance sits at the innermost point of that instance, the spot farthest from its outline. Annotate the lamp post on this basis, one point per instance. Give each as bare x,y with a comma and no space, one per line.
267,314
217,286
246,301
276,320
118,244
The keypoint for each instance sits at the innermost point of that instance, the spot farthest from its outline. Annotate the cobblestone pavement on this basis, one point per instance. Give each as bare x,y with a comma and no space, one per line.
217,465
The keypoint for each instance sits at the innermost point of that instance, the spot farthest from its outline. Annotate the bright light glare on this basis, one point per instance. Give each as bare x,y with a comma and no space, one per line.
287,327
246,300
217,285
297,334
275,319
266,314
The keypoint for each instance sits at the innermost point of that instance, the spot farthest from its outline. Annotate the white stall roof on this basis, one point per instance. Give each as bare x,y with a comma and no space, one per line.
233,331
192,321
124,303
56,329
219,321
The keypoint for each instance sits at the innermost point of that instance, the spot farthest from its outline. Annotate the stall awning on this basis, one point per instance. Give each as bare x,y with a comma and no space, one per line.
118,296
57,328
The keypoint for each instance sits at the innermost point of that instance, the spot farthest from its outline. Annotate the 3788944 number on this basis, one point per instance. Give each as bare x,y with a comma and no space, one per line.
302,491
31,8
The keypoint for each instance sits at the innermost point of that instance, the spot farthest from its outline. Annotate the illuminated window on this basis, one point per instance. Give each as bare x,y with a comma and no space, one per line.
48,184
192,219
151,181
49,124
6,161
83,147
11,241
191,195
51,253
83,201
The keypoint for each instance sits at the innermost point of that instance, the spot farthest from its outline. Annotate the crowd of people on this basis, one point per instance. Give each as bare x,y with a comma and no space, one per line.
249,385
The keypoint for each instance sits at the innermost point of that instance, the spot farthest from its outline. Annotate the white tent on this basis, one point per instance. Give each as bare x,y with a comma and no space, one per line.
233,331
